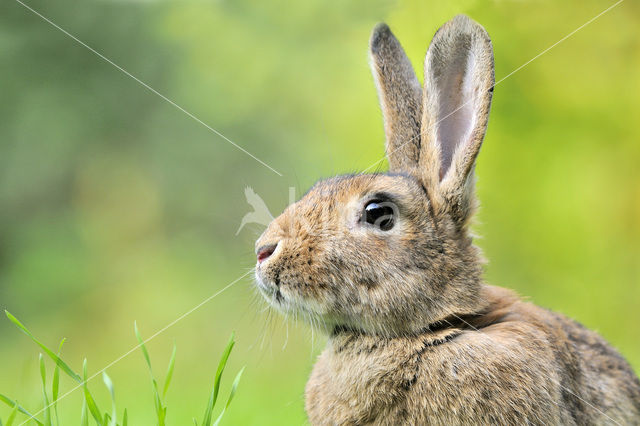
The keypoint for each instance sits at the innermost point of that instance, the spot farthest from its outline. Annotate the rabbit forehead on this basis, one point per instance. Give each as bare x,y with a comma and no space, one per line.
341,190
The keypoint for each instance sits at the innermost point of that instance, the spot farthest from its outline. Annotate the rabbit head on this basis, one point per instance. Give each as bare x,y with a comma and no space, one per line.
390,253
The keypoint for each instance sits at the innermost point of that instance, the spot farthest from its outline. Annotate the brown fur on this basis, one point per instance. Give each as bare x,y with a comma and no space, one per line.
523,365
416,337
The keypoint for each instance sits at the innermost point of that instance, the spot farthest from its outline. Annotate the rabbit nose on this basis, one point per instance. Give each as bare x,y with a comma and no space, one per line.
265,251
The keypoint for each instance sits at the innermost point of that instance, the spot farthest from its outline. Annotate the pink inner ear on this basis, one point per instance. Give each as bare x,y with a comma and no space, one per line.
455,107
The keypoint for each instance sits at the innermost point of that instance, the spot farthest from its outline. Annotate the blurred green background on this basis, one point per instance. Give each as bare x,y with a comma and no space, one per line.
115,206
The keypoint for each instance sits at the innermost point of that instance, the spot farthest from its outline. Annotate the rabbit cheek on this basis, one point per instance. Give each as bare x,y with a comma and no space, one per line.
304,287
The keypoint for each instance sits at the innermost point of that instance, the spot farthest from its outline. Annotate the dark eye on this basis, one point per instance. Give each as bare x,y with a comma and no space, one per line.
380,214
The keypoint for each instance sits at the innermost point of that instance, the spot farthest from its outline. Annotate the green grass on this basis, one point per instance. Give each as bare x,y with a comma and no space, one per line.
48,414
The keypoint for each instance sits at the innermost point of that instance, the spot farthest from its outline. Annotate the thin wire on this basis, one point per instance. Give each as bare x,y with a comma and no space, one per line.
558,42
502,79
130,351
261,162
145,85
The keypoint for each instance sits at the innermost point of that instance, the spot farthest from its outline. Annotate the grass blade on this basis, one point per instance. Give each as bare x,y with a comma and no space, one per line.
234,387
91,404
142,347
45,399
46,350
55,385
84,419
169,374
206,421
12,416
11,403
109,384
161,411
221,365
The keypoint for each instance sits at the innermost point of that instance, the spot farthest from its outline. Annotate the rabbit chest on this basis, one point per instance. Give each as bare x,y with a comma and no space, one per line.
449,377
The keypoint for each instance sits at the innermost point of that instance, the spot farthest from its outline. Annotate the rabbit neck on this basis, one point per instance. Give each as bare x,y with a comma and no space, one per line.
437,333
490,309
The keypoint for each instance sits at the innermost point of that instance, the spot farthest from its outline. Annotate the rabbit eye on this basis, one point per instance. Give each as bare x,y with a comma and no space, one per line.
380,214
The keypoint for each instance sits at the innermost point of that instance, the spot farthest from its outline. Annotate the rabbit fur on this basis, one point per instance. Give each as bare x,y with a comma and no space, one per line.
415,335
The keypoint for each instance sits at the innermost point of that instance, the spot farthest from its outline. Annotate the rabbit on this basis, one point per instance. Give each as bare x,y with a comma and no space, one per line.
385,263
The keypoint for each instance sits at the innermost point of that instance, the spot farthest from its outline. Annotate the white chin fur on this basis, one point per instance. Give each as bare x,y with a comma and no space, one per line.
287,302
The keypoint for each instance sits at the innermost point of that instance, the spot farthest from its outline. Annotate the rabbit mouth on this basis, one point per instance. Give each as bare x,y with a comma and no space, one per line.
269,290
286,301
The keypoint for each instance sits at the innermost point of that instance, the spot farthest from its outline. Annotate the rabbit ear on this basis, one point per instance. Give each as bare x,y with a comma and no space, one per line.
459,80
400,97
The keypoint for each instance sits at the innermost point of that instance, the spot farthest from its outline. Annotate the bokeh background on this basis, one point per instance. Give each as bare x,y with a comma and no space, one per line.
115,206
